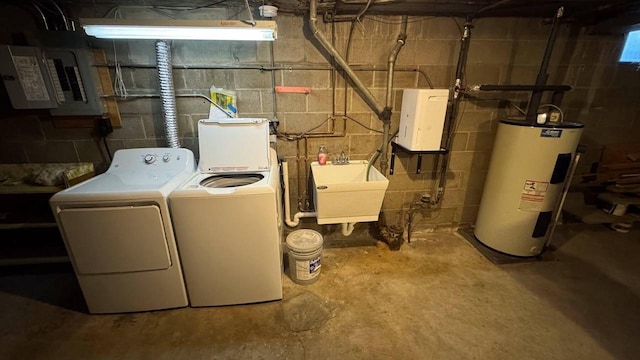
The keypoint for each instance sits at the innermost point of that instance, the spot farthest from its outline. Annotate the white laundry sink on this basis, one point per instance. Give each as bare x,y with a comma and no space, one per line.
343,195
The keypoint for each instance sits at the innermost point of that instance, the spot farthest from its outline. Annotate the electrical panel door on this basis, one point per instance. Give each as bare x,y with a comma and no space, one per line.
24,73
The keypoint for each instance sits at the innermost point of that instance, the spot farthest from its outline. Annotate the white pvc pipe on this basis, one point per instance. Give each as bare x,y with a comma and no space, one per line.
287,206
347,228
299,215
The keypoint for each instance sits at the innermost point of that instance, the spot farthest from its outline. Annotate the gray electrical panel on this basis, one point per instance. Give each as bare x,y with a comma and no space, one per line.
58,75
25,76
70,63
72,82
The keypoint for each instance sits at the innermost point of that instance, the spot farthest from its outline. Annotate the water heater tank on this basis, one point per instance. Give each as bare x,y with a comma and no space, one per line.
528,168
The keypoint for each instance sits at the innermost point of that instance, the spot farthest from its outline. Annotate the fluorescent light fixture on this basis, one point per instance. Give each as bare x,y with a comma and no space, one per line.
264,30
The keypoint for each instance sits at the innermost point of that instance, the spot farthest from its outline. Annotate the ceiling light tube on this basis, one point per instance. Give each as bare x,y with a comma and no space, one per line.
264,30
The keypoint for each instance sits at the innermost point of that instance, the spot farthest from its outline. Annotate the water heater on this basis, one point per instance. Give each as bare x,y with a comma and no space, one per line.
422,118
528,168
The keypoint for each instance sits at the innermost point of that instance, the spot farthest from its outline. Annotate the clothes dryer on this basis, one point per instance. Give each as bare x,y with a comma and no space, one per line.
118,232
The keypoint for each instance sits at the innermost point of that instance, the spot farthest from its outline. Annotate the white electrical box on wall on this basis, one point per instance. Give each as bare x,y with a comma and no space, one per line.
422,119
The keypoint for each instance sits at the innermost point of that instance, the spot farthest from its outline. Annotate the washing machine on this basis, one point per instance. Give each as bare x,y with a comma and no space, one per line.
228,218
118,232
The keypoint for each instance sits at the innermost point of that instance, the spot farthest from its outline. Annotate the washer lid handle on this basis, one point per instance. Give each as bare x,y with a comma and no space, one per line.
236,121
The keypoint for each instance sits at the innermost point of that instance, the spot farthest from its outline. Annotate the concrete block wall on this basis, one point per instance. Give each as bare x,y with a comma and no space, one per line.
502,51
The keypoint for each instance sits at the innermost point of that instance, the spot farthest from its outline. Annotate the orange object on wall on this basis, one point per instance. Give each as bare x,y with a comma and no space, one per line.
293,89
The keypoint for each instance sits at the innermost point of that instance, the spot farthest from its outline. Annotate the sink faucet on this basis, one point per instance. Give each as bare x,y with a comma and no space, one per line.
343,159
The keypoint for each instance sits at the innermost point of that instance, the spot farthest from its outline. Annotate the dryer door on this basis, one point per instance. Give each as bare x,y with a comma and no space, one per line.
116,239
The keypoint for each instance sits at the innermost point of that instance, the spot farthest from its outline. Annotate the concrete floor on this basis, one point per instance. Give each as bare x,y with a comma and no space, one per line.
435,298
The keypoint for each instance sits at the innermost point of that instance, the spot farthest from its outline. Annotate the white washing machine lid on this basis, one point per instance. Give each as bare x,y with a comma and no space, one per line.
233,145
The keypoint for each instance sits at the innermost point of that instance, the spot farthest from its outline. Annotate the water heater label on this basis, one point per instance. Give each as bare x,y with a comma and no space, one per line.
551,133
532,195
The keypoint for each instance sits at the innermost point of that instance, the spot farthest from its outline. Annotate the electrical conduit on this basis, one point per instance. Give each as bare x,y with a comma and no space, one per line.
167,93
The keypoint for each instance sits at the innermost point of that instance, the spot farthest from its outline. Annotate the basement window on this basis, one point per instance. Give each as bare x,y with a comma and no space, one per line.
631,50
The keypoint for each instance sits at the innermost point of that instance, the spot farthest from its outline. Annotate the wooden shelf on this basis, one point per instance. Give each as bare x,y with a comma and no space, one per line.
28,230
27,226
28,189
35,243
35,260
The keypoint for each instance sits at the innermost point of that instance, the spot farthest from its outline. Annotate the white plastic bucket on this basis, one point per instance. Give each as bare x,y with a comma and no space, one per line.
305,253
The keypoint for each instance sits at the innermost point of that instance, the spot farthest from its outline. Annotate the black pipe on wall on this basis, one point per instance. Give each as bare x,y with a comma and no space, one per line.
539,88
541,79
457,93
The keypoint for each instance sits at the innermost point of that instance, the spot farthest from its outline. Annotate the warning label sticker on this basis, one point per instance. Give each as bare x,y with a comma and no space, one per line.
532,195
31,78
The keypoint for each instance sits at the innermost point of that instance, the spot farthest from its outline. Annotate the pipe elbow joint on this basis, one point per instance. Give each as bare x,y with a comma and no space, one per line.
314,27
385,115
347,228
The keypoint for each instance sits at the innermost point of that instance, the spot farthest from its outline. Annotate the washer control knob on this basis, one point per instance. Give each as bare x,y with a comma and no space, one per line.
166,158
149,159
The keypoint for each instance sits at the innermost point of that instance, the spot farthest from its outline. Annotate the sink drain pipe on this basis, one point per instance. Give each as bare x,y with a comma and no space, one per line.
167,93
287,205
347,228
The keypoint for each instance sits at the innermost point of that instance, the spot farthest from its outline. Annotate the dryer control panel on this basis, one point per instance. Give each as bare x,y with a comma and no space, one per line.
152,165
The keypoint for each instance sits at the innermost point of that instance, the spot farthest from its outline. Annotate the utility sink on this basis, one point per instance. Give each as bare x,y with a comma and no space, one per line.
343,195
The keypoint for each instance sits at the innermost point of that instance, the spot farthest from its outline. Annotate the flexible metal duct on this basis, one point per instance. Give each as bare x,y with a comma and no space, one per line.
167,93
